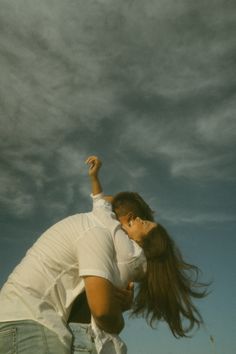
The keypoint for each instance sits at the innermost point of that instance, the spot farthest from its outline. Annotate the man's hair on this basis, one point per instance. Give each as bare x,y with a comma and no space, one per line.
126,202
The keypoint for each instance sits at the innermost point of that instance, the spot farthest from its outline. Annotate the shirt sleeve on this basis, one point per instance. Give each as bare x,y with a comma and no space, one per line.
130,257
96,254
100,202
102,211
126,249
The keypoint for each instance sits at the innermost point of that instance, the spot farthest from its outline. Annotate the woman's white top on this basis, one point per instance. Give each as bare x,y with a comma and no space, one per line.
49,278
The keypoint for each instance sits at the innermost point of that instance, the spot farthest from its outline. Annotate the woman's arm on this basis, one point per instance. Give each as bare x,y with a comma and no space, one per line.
94,167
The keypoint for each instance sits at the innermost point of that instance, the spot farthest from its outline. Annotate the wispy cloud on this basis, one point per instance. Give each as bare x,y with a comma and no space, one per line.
147,79
177,216
219,127
197,148
14,195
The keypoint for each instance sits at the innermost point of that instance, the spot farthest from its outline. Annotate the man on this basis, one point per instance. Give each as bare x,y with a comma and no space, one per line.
74,255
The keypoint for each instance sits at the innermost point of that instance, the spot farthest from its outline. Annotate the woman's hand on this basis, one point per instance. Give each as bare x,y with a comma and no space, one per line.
125,296
94,165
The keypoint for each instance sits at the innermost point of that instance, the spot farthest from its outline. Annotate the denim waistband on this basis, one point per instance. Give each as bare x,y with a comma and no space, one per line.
81,327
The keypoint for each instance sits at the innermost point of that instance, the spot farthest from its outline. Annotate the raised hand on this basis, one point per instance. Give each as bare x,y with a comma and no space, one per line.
94,165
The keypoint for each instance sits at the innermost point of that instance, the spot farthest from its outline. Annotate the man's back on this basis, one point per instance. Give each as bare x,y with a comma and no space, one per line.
47,280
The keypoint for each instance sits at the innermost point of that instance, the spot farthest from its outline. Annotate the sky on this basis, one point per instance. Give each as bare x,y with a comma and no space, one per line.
149,86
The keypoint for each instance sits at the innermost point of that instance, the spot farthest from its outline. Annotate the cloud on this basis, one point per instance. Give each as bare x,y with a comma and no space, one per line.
144,79
71,163
178,217
198,147
199,210
51,81
15,197
174,49
219,128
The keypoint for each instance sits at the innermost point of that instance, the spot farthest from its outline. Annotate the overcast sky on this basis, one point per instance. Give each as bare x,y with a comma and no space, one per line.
149,86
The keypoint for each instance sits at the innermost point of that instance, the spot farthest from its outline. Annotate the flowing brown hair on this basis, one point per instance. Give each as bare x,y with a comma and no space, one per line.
170,284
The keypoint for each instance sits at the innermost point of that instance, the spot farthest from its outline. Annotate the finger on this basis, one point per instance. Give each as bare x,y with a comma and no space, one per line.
122,295
95,162
92,164
91,158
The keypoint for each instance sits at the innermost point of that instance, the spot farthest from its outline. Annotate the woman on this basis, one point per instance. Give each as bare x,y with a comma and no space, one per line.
165,288
170,284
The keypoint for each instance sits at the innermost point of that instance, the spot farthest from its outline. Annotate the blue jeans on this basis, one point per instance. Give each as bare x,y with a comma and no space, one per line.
29,337
82,339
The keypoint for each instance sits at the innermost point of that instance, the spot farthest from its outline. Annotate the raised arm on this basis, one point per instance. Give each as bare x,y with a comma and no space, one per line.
94,167
104,303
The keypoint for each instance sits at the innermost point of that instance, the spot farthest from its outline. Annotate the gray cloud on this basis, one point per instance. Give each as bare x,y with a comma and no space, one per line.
193,148
176,216
14,195
129,80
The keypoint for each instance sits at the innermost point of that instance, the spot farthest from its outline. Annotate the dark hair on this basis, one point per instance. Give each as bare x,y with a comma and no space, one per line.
125,202
166,292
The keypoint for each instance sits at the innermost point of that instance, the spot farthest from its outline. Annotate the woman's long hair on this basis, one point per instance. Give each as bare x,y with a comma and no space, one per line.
170,284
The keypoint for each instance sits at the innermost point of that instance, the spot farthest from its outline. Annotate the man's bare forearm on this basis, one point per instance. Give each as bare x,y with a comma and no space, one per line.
109,323
105,308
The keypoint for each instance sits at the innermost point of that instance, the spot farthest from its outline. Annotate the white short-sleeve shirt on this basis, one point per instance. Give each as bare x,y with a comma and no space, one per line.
49,278
130,257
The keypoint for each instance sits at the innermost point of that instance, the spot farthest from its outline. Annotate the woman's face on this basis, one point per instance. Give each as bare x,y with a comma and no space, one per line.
137,229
